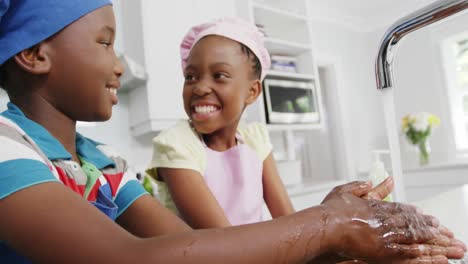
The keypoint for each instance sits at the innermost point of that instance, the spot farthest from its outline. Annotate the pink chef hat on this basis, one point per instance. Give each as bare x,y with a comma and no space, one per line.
229,27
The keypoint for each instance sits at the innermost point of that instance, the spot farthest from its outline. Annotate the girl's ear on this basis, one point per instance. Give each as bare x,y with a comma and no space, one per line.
34,60
254,91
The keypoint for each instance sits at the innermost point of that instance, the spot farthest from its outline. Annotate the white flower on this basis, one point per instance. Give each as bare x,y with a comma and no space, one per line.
421,121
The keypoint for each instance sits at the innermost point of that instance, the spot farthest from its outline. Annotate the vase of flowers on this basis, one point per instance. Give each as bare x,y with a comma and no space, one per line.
417,128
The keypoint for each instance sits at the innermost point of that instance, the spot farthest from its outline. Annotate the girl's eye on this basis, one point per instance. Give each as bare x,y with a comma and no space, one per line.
220,75
189,77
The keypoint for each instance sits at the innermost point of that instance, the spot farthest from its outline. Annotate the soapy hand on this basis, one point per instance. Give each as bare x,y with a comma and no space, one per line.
382,232
446,237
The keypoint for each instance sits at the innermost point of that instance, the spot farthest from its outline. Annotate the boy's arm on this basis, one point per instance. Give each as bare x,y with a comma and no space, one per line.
274,192
193,198
48,223
146,217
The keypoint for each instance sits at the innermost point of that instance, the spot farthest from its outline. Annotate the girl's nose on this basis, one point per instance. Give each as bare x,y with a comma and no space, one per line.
201,88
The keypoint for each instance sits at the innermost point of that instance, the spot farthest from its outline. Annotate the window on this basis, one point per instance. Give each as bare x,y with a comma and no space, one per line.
455,55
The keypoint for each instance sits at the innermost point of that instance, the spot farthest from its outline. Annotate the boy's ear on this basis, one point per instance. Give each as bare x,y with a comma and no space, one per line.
254,91
34,60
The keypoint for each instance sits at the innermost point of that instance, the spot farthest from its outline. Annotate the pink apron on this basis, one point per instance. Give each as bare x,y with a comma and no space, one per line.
234,177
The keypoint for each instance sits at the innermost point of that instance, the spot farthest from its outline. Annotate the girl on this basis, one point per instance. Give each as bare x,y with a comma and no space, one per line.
67,199
216,171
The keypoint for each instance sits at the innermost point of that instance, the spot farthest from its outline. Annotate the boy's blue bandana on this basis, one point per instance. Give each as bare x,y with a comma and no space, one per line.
25,23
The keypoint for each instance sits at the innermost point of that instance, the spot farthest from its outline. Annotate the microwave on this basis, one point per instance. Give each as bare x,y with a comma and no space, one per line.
290,101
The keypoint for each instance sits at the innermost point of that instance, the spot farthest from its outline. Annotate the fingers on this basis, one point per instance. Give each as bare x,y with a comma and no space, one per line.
455,248
395,208
382,190
450,251
457,243
409,235
423,250
448,235
356,188
415,253
445,231
410,214
403,221
441,240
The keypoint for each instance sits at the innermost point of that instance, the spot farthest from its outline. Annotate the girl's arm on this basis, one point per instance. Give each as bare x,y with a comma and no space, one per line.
274,192
193,198
48,223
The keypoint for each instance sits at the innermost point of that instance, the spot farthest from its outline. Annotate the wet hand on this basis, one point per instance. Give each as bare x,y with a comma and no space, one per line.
446,237
387,232
365,190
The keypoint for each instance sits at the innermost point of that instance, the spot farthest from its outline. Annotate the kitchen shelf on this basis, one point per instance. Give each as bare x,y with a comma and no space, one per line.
279,46
276,11
291,6
291,75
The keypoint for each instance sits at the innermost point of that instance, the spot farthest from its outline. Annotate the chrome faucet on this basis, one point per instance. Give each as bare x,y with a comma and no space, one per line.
435,12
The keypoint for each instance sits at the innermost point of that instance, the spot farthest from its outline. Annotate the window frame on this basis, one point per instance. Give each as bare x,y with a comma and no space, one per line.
455,94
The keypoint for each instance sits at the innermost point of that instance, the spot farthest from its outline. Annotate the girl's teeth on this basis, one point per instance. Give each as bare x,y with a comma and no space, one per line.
205,109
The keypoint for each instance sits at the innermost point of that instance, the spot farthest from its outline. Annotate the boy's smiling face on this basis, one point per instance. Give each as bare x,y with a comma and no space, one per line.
84,72
218,84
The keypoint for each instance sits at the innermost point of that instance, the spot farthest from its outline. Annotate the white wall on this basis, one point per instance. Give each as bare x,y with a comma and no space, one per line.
359,98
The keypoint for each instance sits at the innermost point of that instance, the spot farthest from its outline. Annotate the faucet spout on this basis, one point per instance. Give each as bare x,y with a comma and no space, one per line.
430,14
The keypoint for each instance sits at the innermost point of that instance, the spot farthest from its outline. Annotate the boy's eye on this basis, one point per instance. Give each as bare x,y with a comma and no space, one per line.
105,43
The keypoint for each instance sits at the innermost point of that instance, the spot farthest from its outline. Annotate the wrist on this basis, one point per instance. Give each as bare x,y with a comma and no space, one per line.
329,237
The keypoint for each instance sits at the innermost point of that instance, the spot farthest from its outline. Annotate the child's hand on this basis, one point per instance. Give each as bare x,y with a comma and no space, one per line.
382,190
382,232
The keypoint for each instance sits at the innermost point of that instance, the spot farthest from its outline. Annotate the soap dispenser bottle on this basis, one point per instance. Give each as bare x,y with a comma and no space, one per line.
377,172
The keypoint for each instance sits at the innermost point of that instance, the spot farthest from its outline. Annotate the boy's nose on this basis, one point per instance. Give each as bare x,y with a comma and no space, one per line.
119,68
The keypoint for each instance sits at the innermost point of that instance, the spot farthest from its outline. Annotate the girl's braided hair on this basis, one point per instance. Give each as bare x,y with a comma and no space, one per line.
256,65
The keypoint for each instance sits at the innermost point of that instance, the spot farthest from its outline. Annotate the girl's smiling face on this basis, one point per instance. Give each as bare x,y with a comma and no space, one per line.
219,84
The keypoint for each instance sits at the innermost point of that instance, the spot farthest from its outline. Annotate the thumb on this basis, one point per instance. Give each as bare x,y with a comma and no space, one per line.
357,188
382,190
